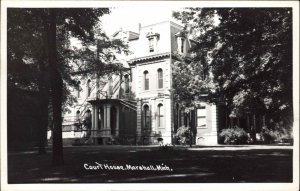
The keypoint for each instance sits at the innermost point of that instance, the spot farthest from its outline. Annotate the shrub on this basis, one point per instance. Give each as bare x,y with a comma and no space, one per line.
183,134
234,136
167,148
277,135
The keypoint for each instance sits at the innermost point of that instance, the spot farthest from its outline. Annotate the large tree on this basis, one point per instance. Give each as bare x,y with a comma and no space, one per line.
249,54
39,41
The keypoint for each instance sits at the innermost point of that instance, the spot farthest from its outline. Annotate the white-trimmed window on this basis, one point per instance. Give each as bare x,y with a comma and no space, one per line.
147,117
146,80
153,40
201,117
89,88
126,84
160,78
181,41
182,45
151,44
160,115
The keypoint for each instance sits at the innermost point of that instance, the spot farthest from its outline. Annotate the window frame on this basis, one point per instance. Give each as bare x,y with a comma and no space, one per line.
151,44
160,115
147,117
89,89
146,80
199,117
160,79
127,87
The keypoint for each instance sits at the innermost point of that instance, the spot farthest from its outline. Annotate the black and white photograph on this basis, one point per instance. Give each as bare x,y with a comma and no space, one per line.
113,95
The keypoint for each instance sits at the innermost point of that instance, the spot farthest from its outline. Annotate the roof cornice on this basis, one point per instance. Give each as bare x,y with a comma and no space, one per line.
149,58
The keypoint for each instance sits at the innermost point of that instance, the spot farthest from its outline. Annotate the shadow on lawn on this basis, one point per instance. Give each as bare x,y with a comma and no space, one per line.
255,165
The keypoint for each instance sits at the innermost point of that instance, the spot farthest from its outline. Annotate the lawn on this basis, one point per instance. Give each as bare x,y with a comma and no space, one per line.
188,166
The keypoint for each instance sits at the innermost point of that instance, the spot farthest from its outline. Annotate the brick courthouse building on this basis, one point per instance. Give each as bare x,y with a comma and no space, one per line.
137,106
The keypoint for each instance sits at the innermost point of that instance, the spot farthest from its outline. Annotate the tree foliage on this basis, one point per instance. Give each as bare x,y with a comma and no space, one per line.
249,54
41,57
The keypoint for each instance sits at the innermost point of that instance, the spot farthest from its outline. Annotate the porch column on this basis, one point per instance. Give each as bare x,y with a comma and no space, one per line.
139,122
96,120
101,117
213,137
108,107
104,119
167,135
117,121
214,118
93,117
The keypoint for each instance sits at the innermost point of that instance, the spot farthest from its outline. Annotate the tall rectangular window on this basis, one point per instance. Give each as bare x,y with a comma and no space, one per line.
201,117
160,116
146,80
160,78
89,89
147,117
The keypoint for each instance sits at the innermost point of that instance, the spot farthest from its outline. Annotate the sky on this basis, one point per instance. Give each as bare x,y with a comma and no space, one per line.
128,18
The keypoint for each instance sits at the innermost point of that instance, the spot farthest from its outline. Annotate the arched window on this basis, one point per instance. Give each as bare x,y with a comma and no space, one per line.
78,89
146,80
88,86
160,115
160,78
147,119
126,84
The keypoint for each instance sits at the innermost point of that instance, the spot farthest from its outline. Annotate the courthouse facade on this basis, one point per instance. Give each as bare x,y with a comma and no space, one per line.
136,106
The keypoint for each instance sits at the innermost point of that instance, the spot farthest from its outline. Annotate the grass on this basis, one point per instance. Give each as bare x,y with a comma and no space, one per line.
189,166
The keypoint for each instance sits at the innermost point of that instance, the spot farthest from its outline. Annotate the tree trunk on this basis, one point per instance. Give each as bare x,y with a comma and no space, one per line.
42,138
56,84
44,103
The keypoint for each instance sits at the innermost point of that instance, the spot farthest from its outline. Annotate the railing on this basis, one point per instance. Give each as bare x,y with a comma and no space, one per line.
84,104
128,104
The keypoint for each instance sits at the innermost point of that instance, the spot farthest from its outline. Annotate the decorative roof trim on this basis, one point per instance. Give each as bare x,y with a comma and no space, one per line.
148,58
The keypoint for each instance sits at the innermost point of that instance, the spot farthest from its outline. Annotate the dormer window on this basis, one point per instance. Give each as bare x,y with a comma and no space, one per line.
182,45
181,42
153,39
151,44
